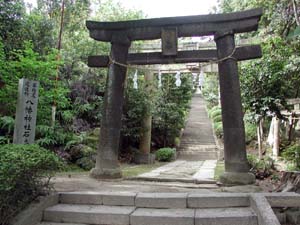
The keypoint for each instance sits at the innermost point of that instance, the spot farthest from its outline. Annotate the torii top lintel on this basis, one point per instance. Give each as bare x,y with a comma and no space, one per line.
187,26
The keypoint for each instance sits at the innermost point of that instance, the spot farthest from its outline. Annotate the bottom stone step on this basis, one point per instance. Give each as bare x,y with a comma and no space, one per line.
226,216
52,223
219,216
143,216
88,214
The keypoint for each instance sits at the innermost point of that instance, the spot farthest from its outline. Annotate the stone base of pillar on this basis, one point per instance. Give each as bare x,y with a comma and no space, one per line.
106,173
141,158
233,178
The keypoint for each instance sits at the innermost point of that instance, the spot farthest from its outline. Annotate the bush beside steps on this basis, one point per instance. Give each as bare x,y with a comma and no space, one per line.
25,172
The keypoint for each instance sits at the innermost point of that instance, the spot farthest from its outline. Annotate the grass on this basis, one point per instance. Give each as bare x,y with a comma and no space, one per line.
128,170
132,170
219,170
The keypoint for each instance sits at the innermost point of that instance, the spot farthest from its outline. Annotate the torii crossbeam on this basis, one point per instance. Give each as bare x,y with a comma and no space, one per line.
223,27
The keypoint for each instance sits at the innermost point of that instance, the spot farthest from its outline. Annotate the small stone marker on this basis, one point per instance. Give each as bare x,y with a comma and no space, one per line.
25,122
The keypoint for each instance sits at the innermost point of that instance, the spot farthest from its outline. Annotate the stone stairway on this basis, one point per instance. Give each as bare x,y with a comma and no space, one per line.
198,142
86,208
147,209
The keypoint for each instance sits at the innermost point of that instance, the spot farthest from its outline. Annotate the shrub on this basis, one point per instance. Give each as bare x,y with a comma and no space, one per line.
217,119
262,168
218,128
250,132
292,154
25,172
165,154
215,113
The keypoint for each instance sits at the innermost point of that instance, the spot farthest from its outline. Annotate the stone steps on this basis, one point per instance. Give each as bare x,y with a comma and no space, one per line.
89,214
53,223
87,208
197,155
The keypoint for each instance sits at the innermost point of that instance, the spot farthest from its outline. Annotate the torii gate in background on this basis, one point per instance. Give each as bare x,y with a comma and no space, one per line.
223,27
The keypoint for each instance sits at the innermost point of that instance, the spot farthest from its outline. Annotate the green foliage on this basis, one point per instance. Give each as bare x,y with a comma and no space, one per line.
171,108
138,104
292,154
48,136
210,90
218,128
165,154
250,132
217,118
6,129
215,113
25,172
262,168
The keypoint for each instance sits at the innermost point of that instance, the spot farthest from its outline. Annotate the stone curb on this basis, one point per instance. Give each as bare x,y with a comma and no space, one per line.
183,180
34,212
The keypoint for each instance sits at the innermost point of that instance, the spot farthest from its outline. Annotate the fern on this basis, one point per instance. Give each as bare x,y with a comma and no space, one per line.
7,123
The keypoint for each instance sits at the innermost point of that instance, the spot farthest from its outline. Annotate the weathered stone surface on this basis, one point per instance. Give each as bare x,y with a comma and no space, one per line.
293,216
107,165
242,189
144,216
33,214
141,158
161,200
149,29
26,112
263,210
225,216
118,199
242,53
89,214
232,114
51,223
98,173
283,199
92,198
218,200
232,178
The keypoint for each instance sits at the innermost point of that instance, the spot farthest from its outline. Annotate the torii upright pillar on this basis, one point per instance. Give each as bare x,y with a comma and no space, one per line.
107,165
236,163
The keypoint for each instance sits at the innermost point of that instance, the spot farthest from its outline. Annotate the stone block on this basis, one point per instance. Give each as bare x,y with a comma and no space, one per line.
51,223
148,216
218,200
293,217
232,178
263,210
161,200
118,199
88,214
140,158
283,199
90,198
225,216
33,214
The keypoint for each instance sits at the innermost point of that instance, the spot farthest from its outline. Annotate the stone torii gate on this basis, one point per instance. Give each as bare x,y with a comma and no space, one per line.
223,27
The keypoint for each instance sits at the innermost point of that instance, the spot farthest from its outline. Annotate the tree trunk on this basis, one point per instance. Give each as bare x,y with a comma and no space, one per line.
296,13
259,139
145,140
54,106
276,138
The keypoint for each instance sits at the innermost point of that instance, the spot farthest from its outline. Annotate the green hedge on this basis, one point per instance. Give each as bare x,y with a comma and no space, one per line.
217,119
218,128
25,171
292,154
215,113
250,132
165,154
